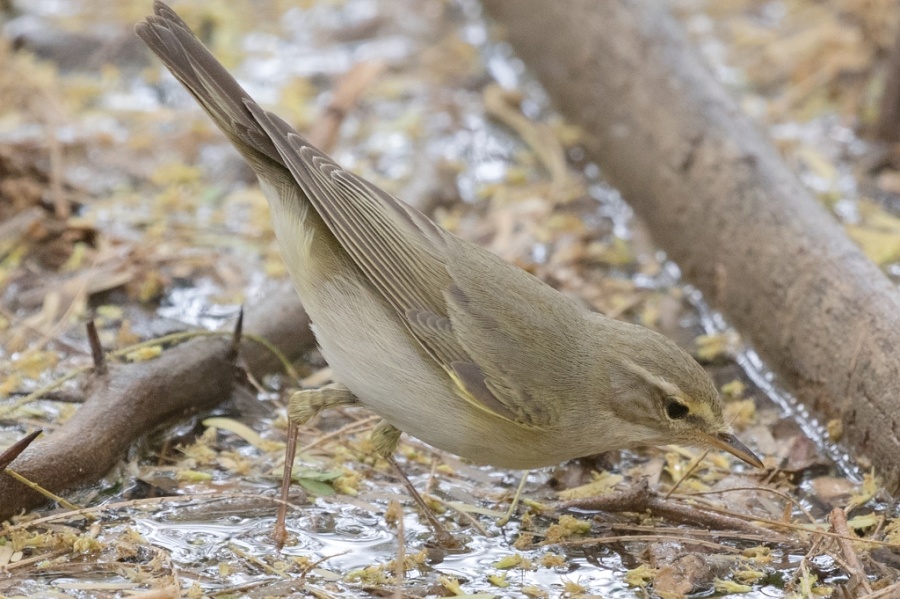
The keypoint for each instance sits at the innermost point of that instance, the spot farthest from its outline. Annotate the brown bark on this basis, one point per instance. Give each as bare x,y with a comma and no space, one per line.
720,200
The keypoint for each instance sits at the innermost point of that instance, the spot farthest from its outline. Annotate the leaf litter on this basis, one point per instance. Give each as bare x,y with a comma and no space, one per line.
133,210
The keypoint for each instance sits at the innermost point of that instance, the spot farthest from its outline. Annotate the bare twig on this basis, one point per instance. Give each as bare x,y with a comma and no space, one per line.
60,396
657,538
51,112
96,348
762,489
687,474
857,573
237,335
800,528
13,451
176,501
640,498
400,564
672,530
346,429
887,592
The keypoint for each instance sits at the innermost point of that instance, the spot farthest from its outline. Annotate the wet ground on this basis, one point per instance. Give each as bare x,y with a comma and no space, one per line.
167,231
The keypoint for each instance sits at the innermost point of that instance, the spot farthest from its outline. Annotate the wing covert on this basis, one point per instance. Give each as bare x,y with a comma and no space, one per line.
404,256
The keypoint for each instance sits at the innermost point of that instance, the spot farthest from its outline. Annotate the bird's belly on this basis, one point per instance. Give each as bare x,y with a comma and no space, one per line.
372,353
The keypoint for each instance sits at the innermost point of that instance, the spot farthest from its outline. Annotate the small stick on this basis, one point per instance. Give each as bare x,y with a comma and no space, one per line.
310,567
50,495
858,577
400,565
96,348
687,474
237,334
469,518
763,489
538,136
885,593
653,538
256,561
13,451
674,530
106,508
59,396
640,498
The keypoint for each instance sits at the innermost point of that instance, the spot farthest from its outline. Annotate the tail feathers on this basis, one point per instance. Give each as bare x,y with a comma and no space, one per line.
169,37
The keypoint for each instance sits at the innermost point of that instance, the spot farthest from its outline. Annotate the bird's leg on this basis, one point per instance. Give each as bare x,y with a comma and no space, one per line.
385,438
302,406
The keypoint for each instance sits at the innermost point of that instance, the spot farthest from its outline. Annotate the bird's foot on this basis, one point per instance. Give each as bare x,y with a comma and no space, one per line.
305,404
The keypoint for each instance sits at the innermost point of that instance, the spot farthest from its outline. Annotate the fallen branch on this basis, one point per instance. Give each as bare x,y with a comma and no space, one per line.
131,399
640,498
122,405
719,199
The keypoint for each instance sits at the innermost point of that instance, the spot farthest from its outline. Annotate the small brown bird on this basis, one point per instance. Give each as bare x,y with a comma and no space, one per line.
442,339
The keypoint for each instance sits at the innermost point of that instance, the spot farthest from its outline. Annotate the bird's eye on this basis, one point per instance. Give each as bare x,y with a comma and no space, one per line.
675,409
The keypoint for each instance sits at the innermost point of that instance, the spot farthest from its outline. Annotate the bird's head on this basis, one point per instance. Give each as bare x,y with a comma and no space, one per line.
661,390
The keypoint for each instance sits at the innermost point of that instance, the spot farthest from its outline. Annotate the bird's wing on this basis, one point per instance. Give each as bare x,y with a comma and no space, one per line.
398,249
525,339
403,255
382,235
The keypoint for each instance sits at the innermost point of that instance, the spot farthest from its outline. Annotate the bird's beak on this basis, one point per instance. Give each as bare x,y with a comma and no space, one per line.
728,442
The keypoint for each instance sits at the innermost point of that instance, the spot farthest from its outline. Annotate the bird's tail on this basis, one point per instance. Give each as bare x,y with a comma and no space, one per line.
169,37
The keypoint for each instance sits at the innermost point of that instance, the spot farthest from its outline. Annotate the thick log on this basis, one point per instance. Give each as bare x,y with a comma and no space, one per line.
719,199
